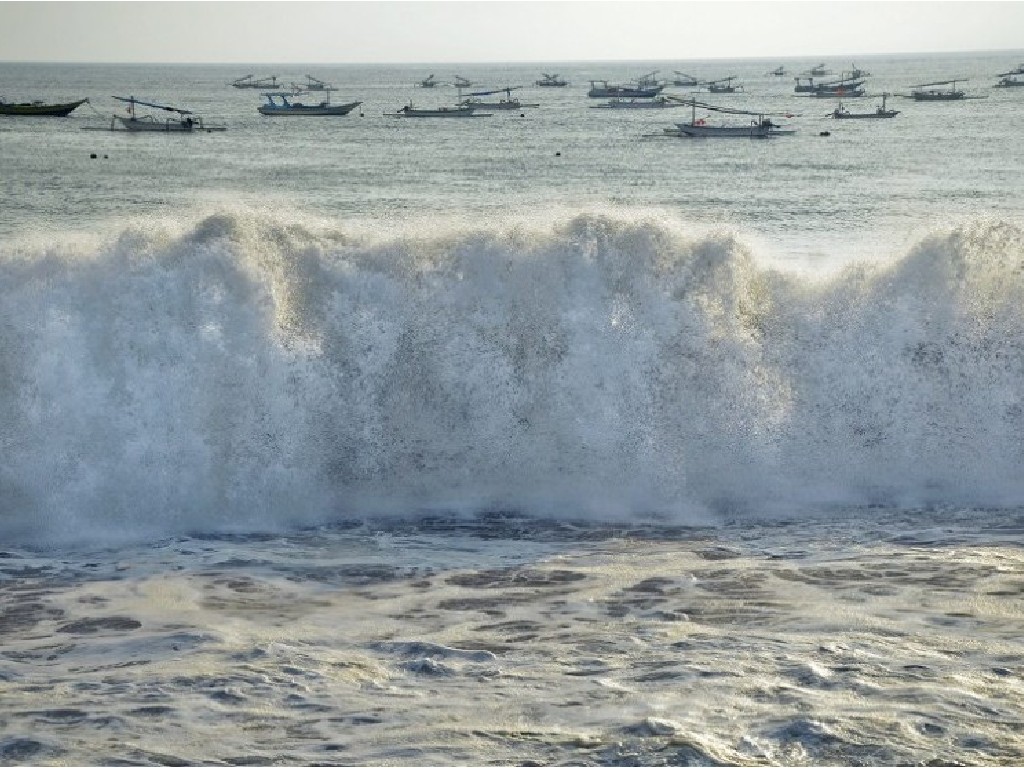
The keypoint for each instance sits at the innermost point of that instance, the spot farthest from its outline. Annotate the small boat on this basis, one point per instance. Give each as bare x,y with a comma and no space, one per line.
723,85
185,121
658,102
461,82
278,103
457,111
39,109
932,91
249,81
1009,79
856,73
779,71
600,89
313,84
684,80
551,81
761,127
507,103
819,70
841,113
427,82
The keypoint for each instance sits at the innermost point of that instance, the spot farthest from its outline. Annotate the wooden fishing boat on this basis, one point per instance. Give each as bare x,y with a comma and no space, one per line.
39,109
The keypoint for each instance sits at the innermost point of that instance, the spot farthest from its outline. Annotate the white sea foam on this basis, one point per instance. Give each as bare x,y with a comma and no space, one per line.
252,371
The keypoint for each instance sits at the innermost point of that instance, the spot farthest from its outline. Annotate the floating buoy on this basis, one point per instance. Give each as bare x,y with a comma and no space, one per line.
92,156
825,133
558,154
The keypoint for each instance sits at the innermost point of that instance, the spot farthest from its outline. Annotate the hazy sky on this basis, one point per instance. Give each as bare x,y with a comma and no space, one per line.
495,30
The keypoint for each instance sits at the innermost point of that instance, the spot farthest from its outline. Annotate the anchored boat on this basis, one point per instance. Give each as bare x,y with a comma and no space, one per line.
185,121
509,102
841,113
457,111
249,81
762,127
278,104
723,85
933,91
39,109
551,81
1009,79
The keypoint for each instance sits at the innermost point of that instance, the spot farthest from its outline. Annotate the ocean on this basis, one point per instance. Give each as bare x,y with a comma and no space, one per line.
543,438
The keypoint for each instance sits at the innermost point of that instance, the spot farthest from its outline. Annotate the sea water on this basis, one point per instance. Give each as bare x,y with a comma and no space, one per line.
540,437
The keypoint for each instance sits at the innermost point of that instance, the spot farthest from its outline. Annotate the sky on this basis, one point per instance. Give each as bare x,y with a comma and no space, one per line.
400,31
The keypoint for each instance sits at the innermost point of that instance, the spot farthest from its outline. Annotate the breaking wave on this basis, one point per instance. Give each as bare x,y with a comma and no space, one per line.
244,372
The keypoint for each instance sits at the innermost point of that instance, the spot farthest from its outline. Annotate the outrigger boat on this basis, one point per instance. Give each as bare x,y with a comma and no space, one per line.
1009,79
762,127
185,122
313,84
39,109
931,91
839,89
658,102
551,81
684,80
278,104
723,85
457,111
251,82
600,89
841,113
506,103
844,87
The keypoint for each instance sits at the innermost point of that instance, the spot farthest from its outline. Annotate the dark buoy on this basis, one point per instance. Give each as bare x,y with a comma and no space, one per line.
106,157
825,133
92,156
558,154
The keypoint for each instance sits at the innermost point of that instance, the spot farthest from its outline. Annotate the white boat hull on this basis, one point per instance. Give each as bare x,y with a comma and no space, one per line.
752,131
295,110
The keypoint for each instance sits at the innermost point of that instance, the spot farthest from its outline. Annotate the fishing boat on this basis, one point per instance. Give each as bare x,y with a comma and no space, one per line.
684,80
249,81
841,113
935,91
313,84
457,111
856,73
844,87
39,109
839,89
427,82
281,103
185,120
462,82
723,85
761,127
818,70
779,71
658,102
601,89
509,102
551,81
1009,79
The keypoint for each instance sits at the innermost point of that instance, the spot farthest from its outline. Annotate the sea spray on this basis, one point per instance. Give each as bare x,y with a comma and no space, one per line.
249,372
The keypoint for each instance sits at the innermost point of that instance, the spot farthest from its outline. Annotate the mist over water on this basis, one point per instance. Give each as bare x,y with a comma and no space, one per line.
245,371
